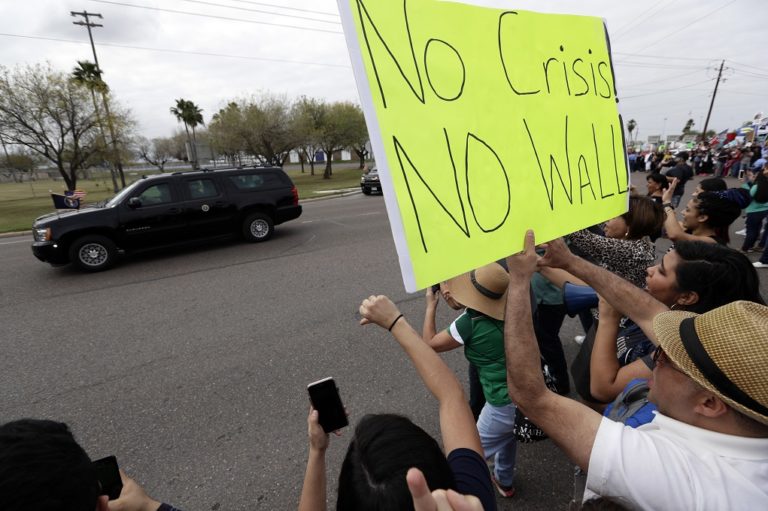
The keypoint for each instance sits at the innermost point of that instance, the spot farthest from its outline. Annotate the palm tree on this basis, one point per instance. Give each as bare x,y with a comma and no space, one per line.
88,75
631,125
192,116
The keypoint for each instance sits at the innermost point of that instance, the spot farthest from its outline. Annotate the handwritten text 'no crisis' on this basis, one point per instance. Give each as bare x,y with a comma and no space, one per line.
558,75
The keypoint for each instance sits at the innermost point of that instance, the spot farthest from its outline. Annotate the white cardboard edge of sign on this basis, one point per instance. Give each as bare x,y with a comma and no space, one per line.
377,142
618,109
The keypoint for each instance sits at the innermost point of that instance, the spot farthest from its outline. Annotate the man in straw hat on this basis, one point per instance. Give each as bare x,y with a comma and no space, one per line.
480,330
707,448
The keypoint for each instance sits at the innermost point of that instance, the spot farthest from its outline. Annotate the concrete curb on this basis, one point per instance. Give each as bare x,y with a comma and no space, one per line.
12,234
313,199
332,196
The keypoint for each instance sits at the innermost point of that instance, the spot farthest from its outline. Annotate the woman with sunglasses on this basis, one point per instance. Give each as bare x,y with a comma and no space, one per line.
694,276
706,217
626,249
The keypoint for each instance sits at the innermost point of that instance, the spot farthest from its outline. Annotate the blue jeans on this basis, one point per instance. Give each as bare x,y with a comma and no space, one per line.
495,426
754,223
676,201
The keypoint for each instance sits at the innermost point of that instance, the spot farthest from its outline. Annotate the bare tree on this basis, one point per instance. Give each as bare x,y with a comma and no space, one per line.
16,164
309,116
338,131
269,128
359,138
156,152
178,145
226,132
51,115
263,127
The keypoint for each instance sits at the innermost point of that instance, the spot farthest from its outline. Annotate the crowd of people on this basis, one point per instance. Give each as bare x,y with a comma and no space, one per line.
672,407
719,162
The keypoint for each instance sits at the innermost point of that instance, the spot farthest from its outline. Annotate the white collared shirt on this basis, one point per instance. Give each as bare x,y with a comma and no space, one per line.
668,464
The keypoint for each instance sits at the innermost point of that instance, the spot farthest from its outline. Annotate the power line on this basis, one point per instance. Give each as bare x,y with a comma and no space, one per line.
748,65
664,91
740,92
678,30
666,78
648,64
187,13
326,13
621,31
186,52
213,4
645,55
750,73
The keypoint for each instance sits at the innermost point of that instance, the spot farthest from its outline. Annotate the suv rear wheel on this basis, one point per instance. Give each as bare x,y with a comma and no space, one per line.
258,227
93,253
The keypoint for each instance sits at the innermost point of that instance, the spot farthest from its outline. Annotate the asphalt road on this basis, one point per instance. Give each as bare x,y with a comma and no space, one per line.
191,365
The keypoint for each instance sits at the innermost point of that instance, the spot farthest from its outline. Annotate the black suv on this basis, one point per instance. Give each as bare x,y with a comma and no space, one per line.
167,209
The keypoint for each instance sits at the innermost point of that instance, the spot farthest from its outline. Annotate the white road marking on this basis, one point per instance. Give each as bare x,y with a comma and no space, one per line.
12,242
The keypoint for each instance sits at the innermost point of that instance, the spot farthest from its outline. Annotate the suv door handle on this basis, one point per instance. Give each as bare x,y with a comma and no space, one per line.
174,211
219,203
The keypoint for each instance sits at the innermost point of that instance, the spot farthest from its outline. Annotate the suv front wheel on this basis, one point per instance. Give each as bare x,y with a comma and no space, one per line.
258,227
93,253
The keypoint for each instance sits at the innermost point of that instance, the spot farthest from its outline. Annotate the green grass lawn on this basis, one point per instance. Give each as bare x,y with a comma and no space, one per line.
21,203
344,176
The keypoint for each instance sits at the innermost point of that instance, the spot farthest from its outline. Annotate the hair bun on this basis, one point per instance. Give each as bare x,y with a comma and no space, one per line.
738,195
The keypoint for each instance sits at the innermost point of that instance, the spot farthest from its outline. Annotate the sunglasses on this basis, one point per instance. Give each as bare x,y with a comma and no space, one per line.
660,359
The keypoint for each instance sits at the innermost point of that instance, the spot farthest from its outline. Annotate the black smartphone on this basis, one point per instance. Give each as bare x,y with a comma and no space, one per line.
325,398
109,477
436,288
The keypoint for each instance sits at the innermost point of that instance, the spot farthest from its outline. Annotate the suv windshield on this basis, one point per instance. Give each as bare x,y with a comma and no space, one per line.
122,194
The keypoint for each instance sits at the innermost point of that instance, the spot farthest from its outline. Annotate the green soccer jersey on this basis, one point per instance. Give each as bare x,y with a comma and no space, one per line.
483,340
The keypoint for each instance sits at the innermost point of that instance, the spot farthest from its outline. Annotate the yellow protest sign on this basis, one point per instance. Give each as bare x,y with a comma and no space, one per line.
485,122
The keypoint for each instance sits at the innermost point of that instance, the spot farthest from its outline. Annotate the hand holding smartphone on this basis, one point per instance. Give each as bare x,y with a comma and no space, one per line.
108,475
324,396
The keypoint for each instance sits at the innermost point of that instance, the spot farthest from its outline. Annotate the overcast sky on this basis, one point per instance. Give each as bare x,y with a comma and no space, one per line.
666,53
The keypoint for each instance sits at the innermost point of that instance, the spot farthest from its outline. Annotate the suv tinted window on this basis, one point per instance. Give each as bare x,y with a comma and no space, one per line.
156,194
202,188
255,181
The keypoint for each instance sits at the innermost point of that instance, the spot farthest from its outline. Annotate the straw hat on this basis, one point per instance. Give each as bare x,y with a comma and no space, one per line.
483,289
724,350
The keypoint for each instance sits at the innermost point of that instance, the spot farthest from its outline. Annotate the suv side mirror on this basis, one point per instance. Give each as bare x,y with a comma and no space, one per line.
134,202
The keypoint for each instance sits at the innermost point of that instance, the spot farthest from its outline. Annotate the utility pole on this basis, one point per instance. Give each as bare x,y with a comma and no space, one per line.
87,23
711,104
